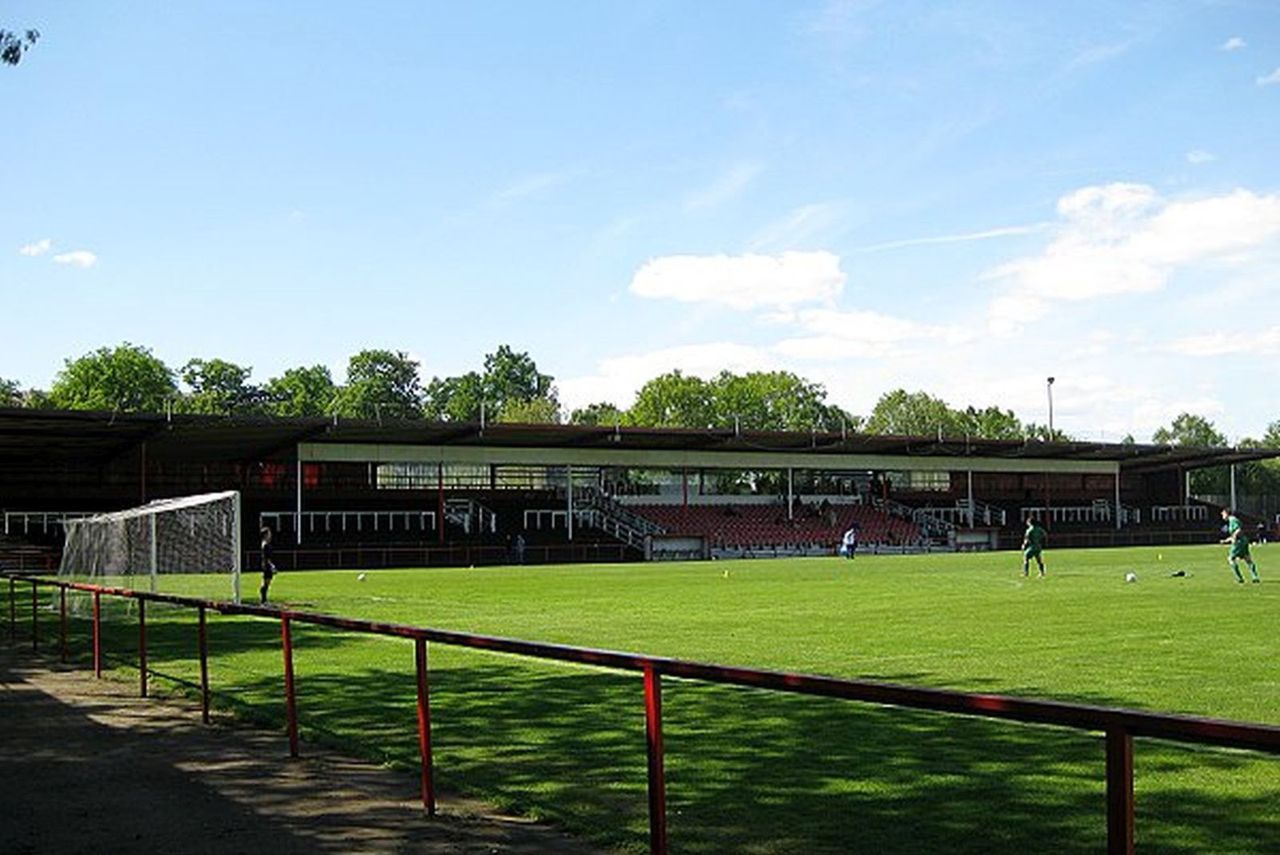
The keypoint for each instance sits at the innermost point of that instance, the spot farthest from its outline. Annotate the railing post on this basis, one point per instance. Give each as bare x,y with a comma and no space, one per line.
204,668
97,634
424,727
13,609
142,647
290,700
657,778
35,621
1119,792
62,621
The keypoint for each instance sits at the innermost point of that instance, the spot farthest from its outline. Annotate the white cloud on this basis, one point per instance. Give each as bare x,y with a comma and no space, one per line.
40,247
724,188
1198,156
1269,79
835,334
1247,341
617,379
79,258
743,281
1233,43
1124,239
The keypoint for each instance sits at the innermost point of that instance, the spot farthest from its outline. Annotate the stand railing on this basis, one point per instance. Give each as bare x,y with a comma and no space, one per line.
1118,726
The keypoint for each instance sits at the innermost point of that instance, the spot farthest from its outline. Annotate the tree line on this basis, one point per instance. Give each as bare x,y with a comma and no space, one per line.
509,387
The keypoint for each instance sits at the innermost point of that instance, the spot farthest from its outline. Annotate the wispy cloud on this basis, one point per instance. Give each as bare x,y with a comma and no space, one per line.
800,226
1256,342
1097,54
1233,43
726,187
529,185
1271,79
82,258
988,234
743,281
1198,156
40,247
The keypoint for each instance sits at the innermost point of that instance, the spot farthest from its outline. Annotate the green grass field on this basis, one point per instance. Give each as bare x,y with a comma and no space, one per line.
758,772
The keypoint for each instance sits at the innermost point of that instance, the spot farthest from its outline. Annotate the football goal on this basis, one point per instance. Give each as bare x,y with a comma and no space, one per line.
188,545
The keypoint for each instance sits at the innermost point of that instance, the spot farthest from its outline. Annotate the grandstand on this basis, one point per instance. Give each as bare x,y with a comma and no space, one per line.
361,493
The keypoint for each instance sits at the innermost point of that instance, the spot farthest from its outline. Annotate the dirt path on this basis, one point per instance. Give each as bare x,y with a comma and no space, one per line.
86,766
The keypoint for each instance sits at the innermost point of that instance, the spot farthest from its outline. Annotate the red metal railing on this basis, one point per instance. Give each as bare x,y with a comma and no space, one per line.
1119,726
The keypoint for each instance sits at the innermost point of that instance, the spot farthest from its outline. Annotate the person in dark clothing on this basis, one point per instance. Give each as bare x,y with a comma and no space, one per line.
268,566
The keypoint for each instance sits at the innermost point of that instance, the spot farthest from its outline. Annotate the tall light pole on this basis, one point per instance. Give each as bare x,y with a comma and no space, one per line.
1049,386
1048,495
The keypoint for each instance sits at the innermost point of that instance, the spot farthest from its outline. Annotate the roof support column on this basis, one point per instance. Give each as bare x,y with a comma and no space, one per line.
1234,507
440,502
790,495
1117,498
297,514
568,478
970,473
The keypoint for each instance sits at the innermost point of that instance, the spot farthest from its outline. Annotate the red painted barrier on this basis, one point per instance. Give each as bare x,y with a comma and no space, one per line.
1119,725
424,727
142,647
203,642
290,699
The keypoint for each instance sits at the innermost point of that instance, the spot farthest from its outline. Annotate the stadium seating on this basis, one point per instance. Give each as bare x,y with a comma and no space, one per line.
763,527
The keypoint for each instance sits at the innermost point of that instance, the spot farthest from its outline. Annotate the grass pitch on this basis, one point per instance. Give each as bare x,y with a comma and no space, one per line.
759,772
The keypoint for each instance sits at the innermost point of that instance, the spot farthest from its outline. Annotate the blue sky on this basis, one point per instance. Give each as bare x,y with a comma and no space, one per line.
962,198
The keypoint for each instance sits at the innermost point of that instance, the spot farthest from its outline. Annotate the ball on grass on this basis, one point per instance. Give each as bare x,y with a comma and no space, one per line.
1131,577
360,577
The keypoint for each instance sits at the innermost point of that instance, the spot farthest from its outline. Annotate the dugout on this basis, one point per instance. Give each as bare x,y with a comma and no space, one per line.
377,490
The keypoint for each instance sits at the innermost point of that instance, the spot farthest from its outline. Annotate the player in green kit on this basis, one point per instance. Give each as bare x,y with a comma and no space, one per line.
1032,546
1239,547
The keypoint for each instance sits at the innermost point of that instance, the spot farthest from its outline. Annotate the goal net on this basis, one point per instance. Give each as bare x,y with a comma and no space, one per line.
188,545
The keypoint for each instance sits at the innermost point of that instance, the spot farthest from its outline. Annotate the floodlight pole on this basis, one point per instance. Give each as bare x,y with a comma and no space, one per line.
1048,476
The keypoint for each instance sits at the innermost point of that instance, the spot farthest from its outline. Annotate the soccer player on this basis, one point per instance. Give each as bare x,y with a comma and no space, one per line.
1032,546
849,543
1239,547
268,566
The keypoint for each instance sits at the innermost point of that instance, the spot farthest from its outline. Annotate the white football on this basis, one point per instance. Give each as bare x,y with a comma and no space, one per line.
361,577
1131,577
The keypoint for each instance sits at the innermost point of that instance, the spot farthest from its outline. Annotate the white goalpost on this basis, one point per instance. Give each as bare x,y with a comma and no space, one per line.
187,545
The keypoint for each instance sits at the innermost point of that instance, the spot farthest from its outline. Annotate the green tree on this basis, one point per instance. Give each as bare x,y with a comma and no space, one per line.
1195,431
990,423
127,377
674,400
381,384
454,399
1190,430
906,413
219,388
773,400
1042,433
510,389
10,393
601,413
14,45
544,411
306,391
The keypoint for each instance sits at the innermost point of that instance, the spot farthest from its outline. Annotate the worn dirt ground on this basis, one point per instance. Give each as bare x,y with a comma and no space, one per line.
87,766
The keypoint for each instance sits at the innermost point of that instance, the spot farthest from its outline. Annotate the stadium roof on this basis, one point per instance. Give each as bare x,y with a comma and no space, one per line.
50,437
